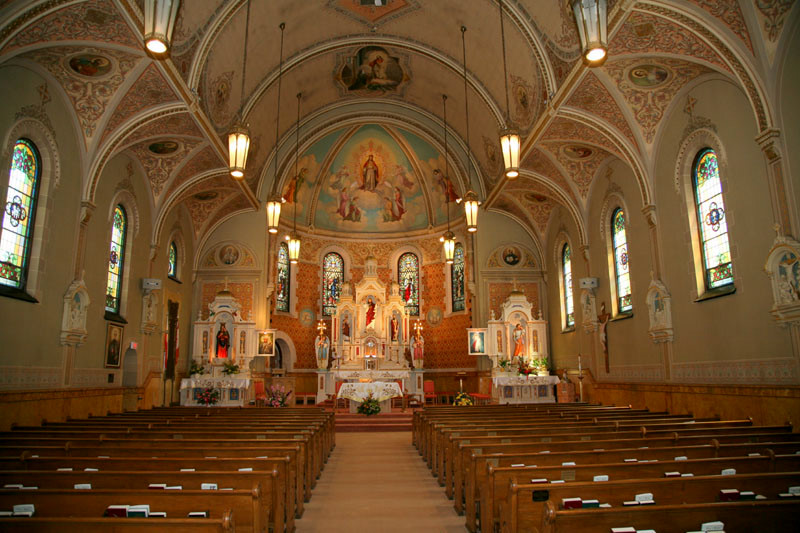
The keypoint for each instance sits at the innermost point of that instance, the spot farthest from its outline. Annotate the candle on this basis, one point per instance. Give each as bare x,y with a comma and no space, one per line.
579,363
461,385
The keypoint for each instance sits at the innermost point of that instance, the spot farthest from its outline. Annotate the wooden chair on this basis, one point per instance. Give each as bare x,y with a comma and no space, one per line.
260,393
428,389
340,402
401,401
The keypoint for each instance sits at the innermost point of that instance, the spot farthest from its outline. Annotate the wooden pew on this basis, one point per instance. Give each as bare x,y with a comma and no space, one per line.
738,517
522,512
244,504
266,467
222,524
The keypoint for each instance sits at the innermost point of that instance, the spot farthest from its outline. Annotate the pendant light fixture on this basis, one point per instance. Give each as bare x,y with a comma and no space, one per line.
449,239
294,239
239,136
509,137
470,199
159,21
274,203
591,18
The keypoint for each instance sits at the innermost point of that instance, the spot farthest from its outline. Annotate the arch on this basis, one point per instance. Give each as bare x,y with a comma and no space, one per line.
288,349
176,238
127,201
614,203
565,285
48,180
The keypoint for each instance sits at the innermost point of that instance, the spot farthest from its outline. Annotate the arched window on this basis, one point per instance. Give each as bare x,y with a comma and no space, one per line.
457,278
18,215
116,259
710,209
621,264
566,269
332,279
282,293
172,270
408,279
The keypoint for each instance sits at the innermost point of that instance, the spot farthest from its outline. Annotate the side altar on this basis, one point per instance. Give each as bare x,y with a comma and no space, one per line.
371,338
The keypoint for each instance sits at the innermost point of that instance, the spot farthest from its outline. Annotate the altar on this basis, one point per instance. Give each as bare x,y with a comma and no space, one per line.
383,391
522,389
233,391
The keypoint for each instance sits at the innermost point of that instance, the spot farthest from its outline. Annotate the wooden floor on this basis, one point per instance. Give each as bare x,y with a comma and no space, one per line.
376,483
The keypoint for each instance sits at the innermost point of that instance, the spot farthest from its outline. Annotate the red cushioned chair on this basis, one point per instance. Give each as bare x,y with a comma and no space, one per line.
430,393
340,402
260,393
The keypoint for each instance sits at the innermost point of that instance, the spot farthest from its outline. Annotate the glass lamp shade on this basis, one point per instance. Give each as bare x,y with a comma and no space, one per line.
471,204
449,240
294,248
238,146
274,214
591,18
159,21
510,143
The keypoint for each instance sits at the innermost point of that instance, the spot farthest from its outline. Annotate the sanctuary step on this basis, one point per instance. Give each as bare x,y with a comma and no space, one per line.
346,422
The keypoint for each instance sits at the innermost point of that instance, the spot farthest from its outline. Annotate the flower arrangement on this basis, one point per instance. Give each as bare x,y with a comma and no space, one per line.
525,370
505,364
463,399
539,365
230,368
277,396
208,396
197,369
370,406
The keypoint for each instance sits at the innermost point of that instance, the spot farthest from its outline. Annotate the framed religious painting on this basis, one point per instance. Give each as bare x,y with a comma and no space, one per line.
113,349
477,341
266,343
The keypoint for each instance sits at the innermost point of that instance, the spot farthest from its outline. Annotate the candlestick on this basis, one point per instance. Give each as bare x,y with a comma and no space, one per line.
579,363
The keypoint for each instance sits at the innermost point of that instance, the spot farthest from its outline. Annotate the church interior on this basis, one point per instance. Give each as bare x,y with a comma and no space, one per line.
444,195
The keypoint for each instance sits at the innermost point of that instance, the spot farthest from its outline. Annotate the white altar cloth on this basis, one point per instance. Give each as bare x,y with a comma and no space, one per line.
521,389
380,390
233,391
522,380
374,375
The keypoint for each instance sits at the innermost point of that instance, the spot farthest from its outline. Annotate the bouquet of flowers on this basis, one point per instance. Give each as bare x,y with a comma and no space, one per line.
277,396
539,365
462,399
197,369
525,370
505,364
208,396
370,406
229,368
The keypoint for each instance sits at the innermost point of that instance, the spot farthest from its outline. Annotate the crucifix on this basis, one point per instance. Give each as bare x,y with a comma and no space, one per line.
321,327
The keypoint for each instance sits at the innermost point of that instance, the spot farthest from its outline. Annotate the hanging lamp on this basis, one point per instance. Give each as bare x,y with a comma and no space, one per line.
294,239
470,199
239,136
448,239
591,18
274,203
159,21
509,137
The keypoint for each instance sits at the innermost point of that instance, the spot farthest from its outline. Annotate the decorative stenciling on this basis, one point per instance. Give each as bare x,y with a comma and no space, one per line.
773,15
372,14
746,372
648,76
94,20
594,97
730,13
564,129
206,159
179,123
158,167
494,159
538,162
219,96
648,104
90,65
524,104
199,211
89,98
580,161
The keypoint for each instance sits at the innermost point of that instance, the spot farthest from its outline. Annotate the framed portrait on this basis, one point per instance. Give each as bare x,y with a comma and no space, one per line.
113,353
266,343
476,339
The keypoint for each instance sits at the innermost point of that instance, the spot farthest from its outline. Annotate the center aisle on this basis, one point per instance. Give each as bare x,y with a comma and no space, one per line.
377,482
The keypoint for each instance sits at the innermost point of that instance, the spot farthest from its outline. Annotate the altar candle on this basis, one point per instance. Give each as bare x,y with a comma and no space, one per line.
579,363
461,385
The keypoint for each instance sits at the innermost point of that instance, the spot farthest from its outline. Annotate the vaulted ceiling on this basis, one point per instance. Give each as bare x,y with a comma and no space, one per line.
357,65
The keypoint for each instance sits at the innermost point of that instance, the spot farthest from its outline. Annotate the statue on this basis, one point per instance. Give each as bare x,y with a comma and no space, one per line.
519,341
370,311
346,328
223,342
408,358
322,345
602,320
419,346
394,328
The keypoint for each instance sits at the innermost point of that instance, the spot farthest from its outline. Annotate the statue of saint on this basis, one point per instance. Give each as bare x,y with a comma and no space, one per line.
223,342
322,343
394,327
519,341
346,328
419,346
370,311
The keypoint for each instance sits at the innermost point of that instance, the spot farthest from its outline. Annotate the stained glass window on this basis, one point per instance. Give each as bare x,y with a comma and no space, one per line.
621,265
566,267
710,210
116,259
18,213
332,279
282,293
173,261
408,279
457,278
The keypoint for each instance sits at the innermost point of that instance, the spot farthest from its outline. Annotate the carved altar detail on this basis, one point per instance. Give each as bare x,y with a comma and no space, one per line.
519,332
226,335
783,269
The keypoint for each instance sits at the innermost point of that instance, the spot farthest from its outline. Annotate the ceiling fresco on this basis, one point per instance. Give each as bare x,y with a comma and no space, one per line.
372,79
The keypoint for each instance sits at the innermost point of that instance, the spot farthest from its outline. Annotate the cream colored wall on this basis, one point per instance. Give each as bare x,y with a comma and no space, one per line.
737,326
789,107
30,331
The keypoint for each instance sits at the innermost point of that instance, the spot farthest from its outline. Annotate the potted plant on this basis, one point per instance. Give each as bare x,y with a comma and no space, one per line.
208,396
463,399
196,369
277,396
370,406
229,368
541,366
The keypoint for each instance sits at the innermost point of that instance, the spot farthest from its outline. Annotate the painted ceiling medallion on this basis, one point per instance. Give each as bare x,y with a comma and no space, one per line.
368,12
90,65
577,152
649,76
206,196
372,70
535,197
164,147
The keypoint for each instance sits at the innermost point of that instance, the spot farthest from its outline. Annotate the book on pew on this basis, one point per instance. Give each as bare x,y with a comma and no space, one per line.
558,481
623,530
645,498
23,513
568,463
158,514
794,491
23,509
629,503
157,486
571,503
712,526
208,486
605,505
82,486
785,495
589,504
87,469
728,472
754,454
672,474
139,511
248,469
116,510
30,488
687,474
517,465
197,514
728,495
601,477
632,460
227,488
747,495
760,497
187,469
681,458
103,456
539,480
35,455
645,531
13,486
5,514
174,487
64,469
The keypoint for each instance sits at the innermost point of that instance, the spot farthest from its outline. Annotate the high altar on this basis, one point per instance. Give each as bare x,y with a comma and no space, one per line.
372,338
